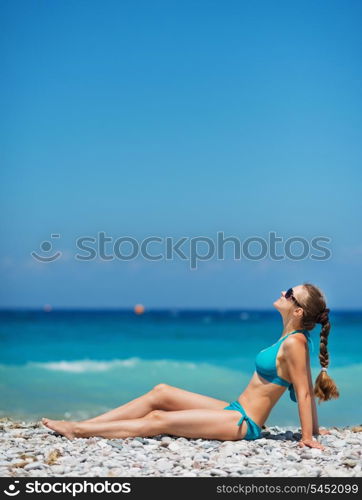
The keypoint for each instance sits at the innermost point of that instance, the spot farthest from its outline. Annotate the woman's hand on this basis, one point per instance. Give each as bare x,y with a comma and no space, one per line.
310,443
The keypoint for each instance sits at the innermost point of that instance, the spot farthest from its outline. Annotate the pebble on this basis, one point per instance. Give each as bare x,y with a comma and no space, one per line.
350,463
275,454
166,439
217,472
337,443
34,465
353,441
163,464
136,444
289,435
174,446
207,445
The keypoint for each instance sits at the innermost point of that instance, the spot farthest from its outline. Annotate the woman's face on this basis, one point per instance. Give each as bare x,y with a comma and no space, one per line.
284,305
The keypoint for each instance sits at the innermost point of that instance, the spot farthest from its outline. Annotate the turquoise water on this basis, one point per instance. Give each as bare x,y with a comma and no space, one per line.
77,364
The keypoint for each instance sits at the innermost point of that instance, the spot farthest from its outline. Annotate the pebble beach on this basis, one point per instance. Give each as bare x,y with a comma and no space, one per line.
29,449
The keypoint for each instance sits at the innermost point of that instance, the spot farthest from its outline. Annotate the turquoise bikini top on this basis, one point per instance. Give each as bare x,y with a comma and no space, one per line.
265,363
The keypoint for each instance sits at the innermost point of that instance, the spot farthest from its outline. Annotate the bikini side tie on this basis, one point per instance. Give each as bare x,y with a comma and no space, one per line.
244,416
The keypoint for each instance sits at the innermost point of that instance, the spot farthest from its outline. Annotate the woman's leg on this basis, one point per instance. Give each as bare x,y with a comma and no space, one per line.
137,408
197,423
161,397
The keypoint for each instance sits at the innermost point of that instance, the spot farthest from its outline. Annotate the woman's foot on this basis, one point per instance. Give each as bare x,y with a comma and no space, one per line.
63,427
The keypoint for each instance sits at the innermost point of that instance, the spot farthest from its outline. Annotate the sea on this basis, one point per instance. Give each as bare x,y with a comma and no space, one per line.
75,364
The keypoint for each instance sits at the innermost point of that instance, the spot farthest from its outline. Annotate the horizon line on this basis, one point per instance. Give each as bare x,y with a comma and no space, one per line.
151,309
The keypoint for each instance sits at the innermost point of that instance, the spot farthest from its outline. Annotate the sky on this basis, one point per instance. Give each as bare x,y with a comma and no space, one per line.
177,120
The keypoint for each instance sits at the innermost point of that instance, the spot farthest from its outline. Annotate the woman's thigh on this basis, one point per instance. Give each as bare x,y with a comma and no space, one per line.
205,424
170,398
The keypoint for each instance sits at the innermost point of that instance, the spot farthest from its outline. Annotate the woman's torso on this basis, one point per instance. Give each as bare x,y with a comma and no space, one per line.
261,395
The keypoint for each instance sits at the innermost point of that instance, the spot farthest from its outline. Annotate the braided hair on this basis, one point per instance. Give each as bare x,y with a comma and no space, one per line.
315,311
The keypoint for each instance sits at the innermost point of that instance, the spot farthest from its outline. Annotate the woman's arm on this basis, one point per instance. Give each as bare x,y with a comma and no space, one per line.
311,391
297,359
317,431
314,414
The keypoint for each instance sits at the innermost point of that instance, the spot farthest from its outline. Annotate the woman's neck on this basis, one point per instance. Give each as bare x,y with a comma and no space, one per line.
289,327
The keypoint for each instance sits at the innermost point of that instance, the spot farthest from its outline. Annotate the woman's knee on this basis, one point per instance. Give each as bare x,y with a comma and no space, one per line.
156,415
161,387
154,423
159,394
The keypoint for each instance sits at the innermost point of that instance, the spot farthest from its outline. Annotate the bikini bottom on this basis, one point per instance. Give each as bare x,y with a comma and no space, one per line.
254,431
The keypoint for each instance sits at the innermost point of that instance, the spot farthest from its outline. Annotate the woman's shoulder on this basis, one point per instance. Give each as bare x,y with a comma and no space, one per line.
295,341
296,349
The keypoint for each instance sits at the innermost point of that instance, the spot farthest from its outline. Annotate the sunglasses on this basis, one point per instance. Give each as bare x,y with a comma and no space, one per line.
289,295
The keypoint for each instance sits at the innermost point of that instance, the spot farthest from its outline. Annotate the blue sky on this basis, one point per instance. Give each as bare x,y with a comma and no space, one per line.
179,119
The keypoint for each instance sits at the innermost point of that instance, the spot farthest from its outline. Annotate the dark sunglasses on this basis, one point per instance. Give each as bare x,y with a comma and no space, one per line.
289,295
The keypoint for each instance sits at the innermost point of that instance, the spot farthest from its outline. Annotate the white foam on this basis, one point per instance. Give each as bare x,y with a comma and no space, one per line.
88,365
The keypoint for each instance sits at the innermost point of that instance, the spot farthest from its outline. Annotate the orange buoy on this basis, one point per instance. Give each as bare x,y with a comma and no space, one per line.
139,309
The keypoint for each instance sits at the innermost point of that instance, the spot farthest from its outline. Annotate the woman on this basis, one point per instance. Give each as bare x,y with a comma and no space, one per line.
170,410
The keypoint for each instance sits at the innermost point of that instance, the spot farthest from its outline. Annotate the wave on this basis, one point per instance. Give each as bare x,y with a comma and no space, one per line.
89,365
